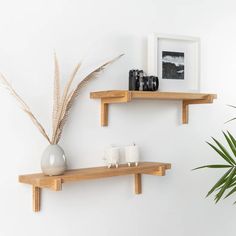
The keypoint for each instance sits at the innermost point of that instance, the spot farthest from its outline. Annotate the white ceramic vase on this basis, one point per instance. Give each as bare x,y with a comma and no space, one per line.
53,160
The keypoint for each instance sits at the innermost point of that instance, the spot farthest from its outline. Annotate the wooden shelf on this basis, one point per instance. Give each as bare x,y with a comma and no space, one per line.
39,181
124,96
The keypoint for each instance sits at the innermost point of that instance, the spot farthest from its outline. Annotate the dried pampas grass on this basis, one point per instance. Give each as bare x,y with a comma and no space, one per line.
23,106
61,103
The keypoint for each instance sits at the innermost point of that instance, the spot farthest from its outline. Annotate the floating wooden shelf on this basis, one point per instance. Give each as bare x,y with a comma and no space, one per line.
124,96
39,181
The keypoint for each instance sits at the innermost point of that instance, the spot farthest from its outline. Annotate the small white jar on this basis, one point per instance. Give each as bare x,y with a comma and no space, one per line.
132,155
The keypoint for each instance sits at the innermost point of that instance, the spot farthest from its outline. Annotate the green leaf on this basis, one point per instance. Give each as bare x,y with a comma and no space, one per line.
230,120
219,182
231,106
213,166
220,153
233,183
230,186
223,149
232,139
231,192
227,183
229,141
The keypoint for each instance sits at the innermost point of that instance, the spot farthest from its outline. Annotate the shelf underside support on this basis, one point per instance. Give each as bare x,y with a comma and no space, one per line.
55,185
186,103
104,113
36,194
138,183
125,97
138,178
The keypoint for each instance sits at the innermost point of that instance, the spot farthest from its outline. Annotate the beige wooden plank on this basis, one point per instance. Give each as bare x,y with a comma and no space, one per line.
152,95
108,94
169,95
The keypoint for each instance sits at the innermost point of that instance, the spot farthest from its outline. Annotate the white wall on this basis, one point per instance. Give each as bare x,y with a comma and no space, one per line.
170,205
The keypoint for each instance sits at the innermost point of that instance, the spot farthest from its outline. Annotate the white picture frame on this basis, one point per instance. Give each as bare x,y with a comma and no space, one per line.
181,47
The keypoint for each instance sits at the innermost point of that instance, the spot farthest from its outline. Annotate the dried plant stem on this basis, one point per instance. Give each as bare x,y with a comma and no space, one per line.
61,105
63,101
65,110
56,93
24,106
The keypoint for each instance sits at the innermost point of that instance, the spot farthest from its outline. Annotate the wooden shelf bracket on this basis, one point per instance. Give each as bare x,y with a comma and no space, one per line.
185,106
36,191
138,184
121,97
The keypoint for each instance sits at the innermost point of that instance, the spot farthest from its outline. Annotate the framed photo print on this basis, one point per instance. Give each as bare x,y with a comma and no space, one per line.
175,60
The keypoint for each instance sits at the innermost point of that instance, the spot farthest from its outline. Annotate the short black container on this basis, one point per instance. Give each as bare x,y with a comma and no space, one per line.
153,83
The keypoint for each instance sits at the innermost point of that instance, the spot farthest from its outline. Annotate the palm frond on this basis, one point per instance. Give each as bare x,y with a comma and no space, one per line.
220,153
226,185
219,182
232,118
230,143
224,150
233,190
231,106
232,139
213,166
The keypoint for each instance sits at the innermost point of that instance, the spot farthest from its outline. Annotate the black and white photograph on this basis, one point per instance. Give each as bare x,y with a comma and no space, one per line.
175,61
172,65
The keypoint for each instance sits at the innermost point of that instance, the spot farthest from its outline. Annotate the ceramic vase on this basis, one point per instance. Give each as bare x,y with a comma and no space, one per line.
53,160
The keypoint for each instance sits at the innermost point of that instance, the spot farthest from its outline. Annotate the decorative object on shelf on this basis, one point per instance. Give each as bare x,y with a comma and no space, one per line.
53,160
175,60
124,96
112,156
141,82
226,185
62,103
132,155
40,181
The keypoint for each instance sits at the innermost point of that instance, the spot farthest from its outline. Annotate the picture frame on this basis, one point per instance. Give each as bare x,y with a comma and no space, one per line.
176,62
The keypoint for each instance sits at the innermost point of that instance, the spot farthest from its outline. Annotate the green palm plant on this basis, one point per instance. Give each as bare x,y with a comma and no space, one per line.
226,185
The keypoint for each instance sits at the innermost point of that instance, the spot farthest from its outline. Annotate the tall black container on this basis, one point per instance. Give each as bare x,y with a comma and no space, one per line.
132,80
